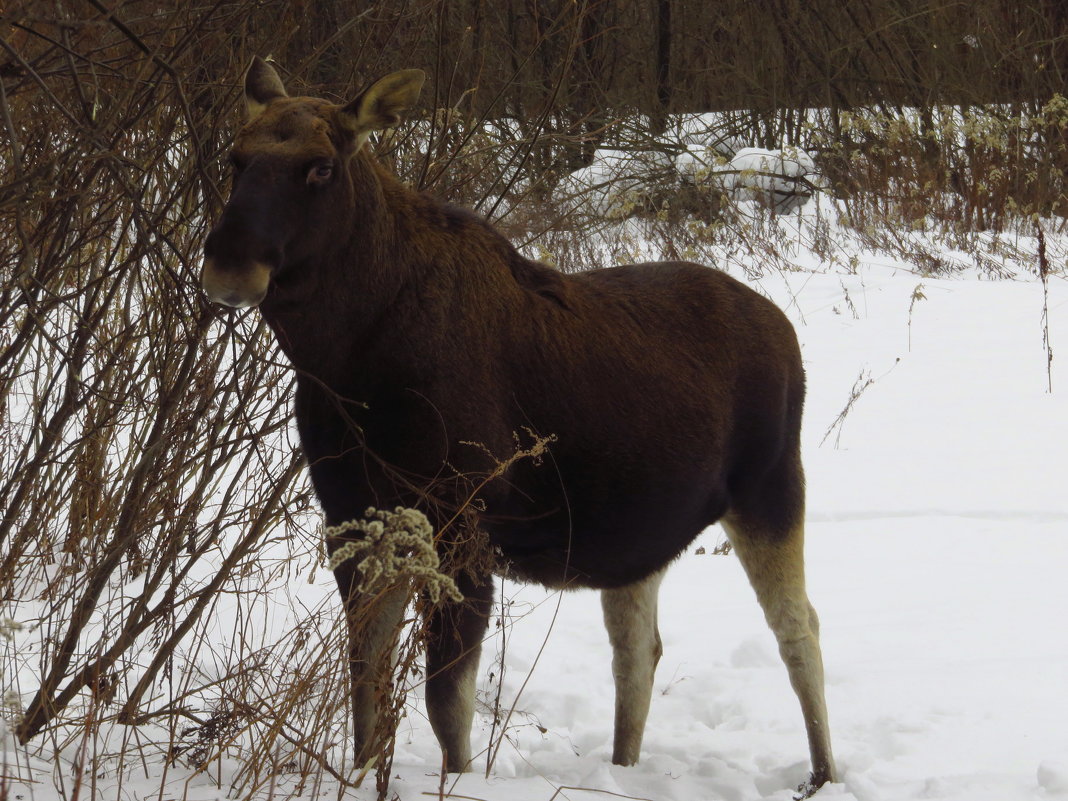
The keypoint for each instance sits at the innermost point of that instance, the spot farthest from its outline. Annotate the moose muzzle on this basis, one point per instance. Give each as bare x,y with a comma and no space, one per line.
240,288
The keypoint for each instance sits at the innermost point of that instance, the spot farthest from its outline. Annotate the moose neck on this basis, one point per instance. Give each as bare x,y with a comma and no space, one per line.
358,298
328,301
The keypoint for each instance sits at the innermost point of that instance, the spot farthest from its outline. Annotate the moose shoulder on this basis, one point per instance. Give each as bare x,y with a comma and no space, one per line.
423,341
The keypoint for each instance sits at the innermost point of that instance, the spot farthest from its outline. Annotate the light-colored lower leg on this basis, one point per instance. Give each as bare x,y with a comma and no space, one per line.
630,617
373,627
450,704
775,567
454,643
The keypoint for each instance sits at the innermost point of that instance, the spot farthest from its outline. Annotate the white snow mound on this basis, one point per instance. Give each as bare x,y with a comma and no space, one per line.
774,177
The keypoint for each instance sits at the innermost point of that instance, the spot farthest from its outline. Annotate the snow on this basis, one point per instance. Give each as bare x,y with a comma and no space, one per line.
615,182
773,177
936,556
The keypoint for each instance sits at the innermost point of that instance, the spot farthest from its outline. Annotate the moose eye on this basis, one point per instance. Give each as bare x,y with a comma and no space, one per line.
319,174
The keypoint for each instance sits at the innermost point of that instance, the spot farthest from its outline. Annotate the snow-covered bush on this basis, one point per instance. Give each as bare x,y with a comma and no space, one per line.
621,183
615,184
778,179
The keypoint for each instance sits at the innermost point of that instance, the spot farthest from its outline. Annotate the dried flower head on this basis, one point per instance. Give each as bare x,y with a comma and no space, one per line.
397,544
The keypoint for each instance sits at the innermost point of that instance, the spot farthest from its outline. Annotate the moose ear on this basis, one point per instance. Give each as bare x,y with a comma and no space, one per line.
262,85
383,104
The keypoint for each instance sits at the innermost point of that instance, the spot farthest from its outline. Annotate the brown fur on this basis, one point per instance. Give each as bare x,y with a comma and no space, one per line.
674,392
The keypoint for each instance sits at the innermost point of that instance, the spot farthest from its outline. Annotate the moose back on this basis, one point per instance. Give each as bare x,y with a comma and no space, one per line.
423,341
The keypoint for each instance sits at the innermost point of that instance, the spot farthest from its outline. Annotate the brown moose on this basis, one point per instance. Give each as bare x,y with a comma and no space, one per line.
673,392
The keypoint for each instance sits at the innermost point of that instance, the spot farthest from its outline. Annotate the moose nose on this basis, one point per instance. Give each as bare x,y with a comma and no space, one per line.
239,288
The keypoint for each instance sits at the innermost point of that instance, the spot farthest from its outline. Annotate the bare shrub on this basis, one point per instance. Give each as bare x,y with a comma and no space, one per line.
152,493
971,168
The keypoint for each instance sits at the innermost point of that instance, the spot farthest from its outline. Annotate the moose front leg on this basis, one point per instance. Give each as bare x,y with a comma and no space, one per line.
373,622
454,643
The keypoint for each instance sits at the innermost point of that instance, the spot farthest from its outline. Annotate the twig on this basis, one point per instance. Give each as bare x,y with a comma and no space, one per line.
1043,273
864,380
599,792
494,748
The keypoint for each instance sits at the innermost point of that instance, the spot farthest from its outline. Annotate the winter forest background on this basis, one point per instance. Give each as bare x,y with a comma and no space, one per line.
891,172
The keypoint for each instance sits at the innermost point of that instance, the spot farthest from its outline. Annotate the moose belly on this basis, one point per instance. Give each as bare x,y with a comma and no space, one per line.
602,542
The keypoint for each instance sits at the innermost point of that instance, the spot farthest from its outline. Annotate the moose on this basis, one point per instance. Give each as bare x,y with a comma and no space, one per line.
423,341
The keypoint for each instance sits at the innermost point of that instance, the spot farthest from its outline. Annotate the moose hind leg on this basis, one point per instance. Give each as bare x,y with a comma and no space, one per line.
630,617
774,563
454,644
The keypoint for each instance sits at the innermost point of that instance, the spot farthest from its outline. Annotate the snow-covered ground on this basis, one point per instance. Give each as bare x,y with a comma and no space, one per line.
936,558
937,555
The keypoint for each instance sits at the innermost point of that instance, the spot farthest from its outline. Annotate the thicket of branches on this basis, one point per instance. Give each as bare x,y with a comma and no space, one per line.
148,474
583,60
